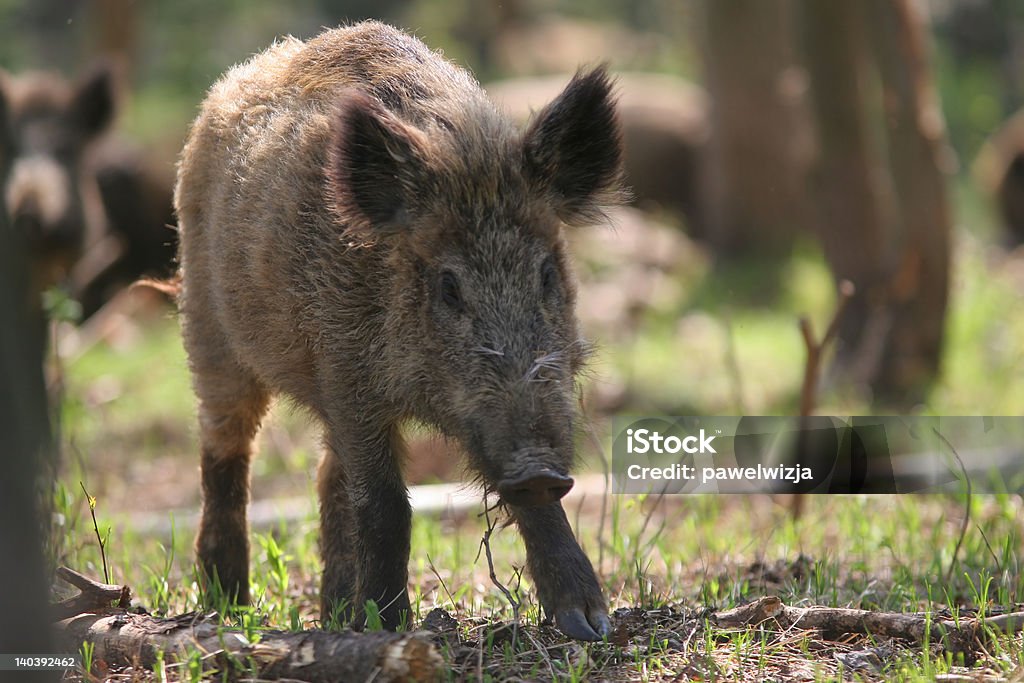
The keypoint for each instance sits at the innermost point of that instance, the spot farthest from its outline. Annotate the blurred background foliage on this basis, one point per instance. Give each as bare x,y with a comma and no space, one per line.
179,48
680,330
175,50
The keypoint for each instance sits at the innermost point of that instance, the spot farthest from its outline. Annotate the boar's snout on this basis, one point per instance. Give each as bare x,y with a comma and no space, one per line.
538,488
533,483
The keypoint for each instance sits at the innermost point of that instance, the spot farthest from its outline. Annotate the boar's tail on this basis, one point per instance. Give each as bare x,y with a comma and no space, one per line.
171,286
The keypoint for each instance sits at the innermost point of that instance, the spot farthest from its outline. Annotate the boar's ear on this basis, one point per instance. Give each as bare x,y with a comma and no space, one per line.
92,104
573,149
375,168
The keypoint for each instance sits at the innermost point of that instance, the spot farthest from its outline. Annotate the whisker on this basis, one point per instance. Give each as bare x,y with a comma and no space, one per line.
551,361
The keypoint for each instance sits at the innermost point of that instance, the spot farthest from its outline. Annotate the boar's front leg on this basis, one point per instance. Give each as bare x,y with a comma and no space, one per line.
566,583
365,524
337,544
231,405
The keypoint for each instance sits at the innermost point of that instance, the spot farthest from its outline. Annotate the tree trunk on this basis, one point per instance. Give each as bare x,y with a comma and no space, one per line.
846,182
116,25
882,214
917,149
24,439
760,141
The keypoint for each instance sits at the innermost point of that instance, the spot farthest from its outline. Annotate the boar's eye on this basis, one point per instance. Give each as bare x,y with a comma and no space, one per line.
548,276
448,290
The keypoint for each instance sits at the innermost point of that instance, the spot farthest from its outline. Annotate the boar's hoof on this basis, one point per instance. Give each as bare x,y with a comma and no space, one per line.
537,488
574,624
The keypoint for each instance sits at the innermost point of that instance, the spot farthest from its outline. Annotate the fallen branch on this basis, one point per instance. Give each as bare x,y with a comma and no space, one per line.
958,635
93,596
121,638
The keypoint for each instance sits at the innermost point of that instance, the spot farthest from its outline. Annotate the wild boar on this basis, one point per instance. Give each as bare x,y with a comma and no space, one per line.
93,211
361,230
137,196
47,126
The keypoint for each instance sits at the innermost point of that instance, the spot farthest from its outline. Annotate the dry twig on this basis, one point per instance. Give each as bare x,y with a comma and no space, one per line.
812,367
816,349
485,545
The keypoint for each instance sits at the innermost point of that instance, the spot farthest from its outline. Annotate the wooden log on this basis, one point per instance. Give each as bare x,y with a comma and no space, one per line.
121,638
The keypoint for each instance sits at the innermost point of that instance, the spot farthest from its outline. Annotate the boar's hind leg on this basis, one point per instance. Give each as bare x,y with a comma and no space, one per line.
565,580
231,405
365,534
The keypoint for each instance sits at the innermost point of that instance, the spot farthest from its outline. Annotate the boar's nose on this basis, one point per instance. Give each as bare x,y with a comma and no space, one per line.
535,488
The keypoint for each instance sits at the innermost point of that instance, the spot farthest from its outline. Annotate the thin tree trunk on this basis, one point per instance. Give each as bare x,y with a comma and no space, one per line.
847,183
916,142
882,211
24,439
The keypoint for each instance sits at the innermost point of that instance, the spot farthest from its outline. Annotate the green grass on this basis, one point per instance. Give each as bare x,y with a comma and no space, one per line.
984,359
108,390
878,553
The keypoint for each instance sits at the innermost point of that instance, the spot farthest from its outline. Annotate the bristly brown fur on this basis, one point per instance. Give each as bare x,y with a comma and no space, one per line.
358,221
